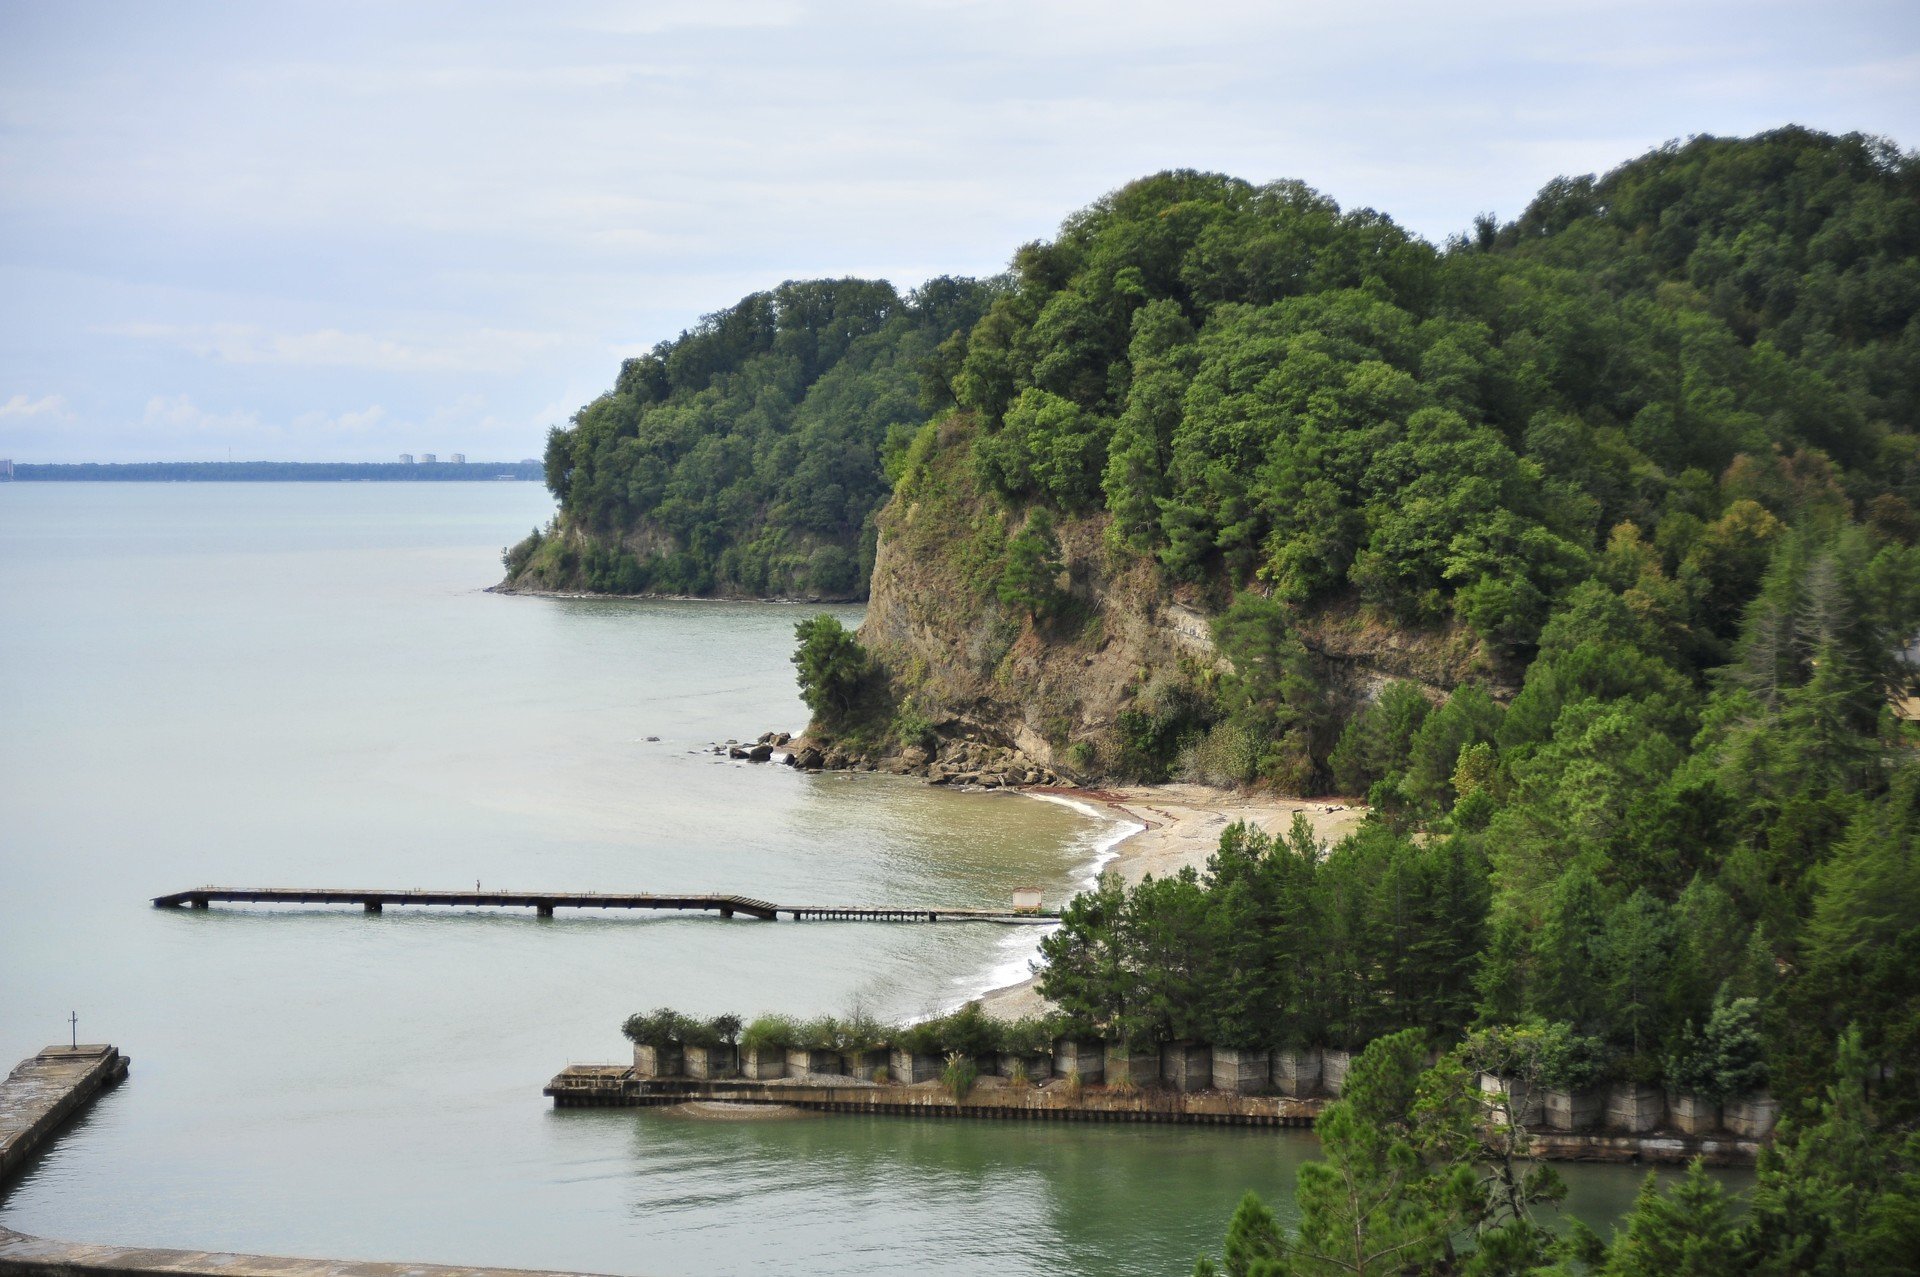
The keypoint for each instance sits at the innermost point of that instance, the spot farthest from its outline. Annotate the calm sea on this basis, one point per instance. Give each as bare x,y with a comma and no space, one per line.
304,684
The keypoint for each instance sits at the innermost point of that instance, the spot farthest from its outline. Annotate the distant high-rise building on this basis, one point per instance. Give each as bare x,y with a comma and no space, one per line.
457,458
427,458
6,468
406,458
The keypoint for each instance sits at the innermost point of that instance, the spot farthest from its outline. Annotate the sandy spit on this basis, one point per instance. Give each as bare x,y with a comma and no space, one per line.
1183,827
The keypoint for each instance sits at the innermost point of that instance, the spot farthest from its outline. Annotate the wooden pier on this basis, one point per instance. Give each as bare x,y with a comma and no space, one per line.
544,903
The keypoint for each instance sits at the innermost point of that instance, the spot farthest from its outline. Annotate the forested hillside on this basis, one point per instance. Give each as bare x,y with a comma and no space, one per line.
1641,463
746,456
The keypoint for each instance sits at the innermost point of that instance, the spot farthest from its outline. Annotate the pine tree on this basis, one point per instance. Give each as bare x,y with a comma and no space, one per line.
1688,1232
1253,1240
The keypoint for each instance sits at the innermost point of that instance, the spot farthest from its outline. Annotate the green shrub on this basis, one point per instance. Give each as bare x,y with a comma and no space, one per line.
822,1033
960,1075
971,1031
659,1028
1228,755
1030,1035
515,557
919,1039
770,1033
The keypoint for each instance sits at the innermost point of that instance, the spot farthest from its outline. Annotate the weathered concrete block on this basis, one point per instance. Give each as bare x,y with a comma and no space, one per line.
1088,1059
1333,1070
1129,1065
1514,1099
765,1064
1752,1116
1296,1072
662,1061
1575,1110
802,1061
863,1064
909,1068
1635,1107
708,1062
1241,1070
1036,1068
1186,1066
1692,1114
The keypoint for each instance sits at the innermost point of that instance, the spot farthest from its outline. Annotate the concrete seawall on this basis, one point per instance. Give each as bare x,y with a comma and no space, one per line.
24,1256
46,1091
619,1086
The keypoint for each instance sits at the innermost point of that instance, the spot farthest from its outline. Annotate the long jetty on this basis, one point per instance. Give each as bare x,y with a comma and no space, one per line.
544,903
46,1091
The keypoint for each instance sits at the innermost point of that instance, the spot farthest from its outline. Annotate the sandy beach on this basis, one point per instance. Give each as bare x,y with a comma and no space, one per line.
1183,827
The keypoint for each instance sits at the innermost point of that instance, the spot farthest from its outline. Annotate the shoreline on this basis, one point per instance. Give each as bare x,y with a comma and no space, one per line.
1178,825
528,592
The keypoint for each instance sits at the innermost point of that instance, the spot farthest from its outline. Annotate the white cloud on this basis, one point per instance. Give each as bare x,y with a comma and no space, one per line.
180,414
52,407
485,350
363,421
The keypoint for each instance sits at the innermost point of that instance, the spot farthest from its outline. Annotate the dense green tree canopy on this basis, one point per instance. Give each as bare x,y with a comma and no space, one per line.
747,455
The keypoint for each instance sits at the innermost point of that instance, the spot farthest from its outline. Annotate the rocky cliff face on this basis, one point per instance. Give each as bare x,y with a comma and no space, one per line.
990,694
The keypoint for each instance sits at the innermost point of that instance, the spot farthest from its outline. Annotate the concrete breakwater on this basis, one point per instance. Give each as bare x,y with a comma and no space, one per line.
46,1091
1061,1098
24,1256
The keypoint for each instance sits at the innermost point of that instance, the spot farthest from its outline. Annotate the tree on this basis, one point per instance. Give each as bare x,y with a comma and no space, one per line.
1029,580
1688,1232
834,669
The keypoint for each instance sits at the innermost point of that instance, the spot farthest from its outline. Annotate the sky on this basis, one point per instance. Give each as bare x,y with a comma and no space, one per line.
342,231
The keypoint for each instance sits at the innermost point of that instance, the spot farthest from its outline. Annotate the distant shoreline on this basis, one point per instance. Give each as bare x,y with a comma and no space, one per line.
275,472
814,600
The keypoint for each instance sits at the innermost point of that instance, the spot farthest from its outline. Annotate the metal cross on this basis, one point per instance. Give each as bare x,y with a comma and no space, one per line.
74,1022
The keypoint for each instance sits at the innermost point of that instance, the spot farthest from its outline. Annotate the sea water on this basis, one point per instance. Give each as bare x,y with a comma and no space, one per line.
305,685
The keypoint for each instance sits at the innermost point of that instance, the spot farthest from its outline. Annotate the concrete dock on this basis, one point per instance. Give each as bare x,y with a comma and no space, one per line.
617,1086
621,1086
24,1256
44,1092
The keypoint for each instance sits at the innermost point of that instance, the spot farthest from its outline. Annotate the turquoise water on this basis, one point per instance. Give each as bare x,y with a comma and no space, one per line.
304,684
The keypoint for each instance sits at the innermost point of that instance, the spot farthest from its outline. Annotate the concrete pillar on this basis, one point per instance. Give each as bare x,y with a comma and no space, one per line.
1087,1058
1130,1065
1241,1070
665,1061
372,906
765,1064
910,1068
1333,1070
1751,1116
1693,1114
1186,1066
707,1062
802,1062
1635,1107
1575,1110
1296,1071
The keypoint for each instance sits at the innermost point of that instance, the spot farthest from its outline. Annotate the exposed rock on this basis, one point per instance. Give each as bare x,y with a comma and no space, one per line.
734,751
807,759
760,753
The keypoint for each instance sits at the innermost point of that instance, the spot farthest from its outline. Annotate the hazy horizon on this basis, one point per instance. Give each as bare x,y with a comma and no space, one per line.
320,233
